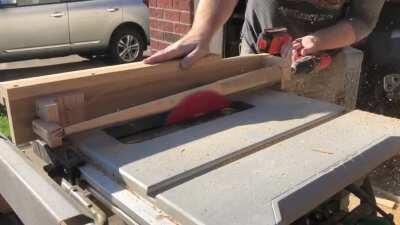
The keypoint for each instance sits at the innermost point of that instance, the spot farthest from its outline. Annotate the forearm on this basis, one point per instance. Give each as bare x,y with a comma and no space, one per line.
211,15
359,23
337,36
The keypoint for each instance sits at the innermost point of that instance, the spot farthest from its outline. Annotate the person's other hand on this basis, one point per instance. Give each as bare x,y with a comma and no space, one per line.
306,45
300,47
191,47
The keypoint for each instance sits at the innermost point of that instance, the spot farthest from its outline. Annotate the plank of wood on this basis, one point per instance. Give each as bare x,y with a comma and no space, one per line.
385,194
114,88
47,109
49,132
71,108
385,202
64,109
265,76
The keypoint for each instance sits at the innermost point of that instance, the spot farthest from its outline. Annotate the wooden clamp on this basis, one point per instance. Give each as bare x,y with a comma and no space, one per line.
52,132
56,112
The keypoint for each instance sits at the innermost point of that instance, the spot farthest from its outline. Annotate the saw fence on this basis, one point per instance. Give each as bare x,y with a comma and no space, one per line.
56,106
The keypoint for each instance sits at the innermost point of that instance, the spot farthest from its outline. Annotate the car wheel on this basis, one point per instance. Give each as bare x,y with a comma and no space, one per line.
127,45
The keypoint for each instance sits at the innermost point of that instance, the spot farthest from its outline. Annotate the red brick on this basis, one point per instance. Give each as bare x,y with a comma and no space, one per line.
152,3
186,17
171,37
166,26
154,23
158,45
156,13
156,34
182,28
166,4
185,4
154,44
171,15
175,4
163,45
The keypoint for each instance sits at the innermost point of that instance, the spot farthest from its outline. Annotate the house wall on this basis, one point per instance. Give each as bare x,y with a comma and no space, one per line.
171,19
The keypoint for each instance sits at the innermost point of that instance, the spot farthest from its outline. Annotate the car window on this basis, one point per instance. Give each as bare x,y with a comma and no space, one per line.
36,2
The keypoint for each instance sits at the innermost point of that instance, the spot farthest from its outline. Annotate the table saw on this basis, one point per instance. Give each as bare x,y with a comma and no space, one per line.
270,158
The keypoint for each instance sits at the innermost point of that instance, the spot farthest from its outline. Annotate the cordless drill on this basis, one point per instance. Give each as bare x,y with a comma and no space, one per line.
272,40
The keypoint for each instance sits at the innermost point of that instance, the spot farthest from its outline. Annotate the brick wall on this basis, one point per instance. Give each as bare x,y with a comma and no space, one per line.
169,21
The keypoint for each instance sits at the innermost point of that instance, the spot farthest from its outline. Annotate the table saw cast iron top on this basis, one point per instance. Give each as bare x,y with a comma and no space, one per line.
255,166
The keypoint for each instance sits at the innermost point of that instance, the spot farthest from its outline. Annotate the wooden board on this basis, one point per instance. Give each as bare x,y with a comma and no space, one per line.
64,109
262,77
50,131
113,88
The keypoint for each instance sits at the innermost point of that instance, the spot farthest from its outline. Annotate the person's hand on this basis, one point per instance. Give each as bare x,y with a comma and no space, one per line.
306,45
300,47
191,47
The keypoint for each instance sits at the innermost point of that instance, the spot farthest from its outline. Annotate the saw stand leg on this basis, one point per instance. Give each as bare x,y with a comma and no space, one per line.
368,207
336,210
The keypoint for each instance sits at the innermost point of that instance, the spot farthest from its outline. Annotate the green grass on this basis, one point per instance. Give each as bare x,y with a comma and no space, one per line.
4,127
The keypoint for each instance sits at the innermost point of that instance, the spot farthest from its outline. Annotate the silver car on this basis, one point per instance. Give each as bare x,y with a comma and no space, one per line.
47,28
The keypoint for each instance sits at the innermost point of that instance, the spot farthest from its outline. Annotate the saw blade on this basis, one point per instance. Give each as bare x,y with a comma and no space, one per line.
196,105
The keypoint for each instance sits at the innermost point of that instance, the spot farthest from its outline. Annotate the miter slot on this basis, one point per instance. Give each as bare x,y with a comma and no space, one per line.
154,126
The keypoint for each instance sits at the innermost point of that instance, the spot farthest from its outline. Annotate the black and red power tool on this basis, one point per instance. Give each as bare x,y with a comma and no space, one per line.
272,40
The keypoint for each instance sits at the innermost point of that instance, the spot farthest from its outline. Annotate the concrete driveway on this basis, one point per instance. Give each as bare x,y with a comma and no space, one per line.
40,67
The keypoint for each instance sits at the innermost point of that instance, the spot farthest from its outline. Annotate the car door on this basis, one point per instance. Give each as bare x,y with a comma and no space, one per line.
32,28
92,22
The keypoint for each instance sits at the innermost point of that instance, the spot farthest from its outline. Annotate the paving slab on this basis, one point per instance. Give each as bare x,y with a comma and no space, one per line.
282,182
153,165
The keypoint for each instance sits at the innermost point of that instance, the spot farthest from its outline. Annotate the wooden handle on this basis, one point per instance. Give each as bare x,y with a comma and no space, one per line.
264,76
